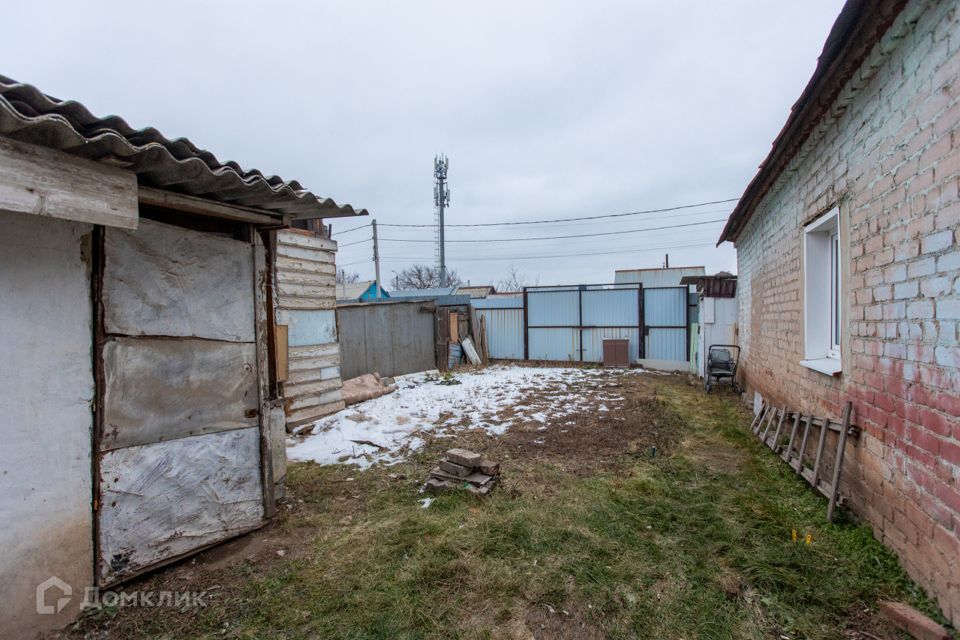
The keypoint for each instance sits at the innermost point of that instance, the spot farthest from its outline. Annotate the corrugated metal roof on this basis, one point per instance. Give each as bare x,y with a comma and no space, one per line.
28,115
424,293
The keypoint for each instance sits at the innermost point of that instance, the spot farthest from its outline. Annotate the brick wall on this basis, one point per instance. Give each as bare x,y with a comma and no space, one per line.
888,155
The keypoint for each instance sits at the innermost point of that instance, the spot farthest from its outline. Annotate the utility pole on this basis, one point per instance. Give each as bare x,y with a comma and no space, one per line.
441,200
376,257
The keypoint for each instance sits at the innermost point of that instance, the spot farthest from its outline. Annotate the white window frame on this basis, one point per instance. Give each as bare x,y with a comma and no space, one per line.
823,294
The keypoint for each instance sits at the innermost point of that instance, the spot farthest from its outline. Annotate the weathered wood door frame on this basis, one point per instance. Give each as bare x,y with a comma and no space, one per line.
260,240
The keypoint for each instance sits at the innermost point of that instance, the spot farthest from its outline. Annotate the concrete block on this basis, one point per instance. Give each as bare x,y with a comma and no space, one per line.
464,457
435,485
455,469
912,621
489,467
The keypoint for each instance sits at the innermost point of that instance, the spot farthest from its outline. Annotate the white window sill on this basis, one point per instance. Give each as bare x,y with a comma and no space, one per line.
829,366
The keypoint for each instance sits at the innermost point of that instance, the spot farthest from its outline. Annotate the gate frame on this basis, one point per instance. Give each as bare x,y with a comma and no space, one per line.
579,327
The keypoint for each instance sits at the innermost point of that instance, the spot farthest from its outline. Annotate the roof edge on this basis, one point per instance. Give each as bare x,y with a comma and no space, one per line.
859,27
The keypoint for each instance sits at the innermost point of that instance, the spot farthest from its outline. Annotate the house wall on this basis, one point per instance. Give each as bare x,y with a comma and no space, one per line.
887,153
306,303
46,430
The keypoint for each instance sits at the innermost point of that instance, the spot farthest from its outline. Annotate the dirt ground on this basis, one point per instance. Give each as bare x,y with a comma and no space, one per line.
621,520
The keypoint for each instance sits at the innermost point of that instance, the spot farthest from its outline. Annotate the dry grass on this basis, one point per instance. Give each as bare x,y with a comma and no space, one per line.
590,536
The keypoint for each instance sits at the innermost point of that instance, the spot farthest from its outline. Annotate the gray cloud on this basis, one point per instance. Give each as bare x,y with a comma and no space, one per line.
546,109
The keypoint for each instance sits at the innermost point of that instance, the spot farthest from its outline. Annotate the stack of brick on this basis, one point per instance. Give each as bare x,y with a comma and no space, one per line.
462,469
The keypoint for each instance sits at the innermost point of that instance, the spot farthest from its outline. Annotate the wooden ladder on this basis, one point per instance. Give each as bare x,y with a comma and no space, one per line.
772,436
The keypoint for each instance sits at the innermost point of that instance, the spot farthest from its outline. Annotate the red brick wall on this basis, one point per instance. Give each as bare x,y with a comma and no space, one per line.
889,155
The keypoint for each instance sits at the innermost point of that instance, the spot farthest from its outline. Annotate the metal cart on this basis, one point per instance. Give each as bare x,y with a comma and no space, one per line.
722,361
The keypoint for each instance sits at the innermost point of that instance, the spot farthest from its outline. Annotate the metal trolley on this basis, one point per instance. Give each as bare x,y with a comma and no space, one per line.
722,361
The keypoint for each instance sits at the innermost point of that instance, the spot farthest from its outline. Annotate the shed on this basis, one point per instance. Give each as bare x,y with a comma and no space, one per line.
143,416
717,302
363,291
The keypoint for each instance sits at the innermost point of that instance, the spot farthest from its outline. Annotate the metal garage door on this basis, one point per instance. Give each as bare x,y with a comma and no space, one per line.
179,446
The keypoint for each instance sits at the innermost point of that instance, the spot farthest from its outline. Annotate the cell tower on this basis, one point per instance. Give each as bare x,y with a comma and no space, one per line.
441,200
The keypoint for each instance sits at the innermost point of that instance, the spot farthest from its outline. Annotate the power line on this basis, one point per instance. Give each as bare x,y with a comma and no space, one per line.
578,235
350,244
340,233
608,215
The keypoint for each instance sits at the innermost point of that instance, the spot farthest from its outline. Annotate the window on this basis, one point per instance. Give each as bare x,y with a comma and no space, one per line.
822,295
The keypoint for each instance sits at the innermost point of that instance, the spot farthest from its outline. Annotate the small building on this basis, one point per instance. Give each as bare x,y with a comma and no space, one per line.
657,277
142,400
717,317
477,291
364,291
848,256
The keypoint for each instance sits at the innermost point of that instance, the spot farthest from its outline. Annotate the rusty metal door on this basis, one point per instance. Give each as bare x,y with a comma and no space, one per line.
179,458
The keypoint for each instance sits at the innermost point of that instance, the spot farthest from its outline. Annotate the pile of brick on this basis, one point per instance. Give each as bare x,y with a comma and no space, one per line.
462,469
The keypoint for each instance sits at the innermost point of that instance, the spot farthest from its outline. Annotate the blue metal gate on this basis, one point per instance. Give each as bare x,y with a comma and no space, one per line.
570,323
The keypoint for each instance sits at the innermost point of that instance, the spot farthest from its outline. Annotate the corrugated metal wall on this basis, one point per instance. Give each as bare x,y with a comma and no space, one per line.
504,327
560,317
390,338
306,302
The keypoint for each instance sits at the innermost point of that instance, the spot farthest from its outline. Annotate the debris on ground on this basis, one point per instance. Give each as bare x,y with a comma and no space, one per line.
463,469
430,405
366,387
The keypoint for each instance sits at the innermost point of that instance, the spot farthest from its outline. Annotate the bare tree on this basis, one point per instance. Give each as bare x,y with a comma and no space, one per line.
421,276
516,280
347,277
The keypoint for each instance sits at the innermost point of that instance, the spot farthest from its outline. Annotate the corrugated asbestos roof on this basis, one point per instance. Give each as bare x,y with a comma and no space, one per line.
860,25
28,115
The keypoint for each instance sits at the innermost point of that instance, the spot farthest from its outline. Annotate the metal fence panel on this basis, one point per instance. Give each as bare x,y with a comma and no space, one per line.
667,344
611,307
554,344
593,342
504,332
665,307
391,338
553,308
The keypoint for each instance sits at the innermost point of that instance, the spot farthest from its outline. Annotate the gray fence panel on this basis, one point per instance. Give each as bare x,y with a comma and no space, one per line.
667,344
554,344
611,307
390,338
665,307
504,334
553,308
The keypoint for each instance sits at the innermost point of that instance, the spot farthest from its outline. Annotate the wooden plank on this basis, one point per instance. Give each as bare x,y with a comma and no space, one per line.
803,445
764,410
838,465
788,453
773,416
159,389
286,265
45,182
776,436
305,239
294,404
758,417
315,350
819,458
299,253
304,278
202,206
281,351
305,304
310,414
307,291
454,326
165,499
299,390
164,280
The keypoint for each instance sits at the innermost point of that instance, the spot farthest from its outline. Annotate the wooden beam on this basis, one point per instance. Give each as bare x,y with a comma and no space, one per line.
200,206
46,182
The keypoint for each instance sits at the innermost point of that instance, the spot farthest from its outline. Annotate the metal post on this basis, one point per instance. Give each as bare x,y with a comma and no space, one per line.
441,199
376,258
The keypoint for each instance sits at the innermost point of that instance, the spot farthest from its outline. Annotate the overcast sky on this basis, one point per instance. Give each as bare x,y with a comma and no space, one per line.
547,109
